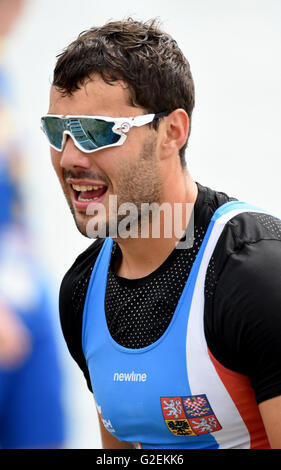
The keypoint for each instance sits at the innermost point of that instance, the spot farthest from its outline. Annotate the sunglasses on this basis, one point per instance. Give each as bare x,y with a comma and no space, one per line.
91,133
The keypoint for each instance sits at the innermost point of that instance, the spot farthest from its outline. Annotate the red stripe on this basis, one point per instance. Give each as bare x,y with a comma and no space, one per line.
242,394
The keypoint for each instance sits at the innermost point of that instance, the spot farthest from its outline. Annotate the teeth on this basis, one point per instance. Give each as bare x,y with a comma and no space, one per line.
79,188
86,200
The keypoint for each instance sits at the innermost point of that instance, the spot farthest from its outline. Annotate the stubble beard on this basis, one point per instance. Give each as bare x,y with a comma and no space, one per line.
138,183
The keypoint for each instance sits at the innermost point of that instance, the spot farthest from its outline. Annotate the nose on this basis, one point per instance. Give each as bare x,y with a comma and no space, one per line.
72,157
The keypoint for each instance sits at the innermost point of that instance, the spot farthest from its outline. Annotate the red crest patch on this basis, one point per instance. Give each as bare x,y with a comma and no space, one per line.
189,415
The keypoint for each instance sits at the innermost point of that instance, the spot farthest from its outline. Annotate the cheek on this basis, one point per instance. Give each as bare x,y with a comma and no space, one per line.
108,162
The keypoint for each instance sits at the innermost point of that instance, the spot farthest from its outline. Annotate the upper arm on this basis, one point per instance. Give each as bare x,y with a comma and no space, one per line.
270,411
73,291
245,320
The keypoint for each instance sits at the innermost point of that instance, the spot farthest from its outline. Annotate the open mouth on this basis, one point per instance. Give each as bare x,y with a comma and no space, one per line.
86,194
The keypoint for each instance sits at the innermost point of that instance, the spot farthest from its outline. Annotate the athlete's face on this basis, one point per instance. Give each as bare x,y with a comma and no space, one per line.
130,171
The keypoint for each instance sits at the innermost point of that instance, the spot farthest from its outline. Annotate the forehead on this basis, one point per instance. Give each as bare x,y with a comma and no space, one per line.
94,97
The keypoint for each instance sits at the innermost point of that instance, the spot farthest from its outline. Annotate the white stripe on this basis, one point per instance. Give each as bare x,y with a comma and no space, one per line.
234,433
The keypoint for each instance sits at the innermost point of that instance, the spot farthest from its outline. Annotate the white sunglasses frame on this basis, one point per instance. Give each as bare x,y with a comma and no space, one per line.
122,125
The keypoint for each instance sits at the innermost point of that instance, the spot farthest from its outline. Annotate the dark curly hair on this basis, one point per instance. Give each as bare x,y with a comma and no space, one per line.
139,53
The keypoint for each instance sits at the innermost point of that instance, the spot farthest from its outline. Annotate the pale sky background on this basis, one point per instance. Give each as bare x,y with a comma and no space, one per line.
234,48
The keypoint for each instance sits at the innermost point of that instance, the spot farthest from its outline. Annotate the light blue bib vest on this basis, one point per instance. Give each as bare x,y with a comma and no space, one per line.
170,394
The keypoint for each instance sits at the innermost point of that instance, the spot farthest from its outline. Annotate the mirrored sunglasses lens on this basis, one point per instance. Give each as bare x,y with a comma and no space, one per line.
93,133
54,128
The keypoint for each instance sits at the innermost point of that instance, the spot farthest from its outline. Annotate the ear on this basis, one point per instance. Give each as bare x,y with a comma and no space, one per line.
174,133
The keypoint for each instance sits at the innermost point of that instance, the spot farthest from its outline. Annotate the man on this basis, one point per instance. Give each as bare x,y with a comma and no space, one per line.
180,346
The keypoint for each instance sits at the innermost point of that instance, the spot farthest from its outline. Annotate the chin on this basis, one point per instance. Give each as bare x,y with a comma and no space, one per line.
81,221
82,230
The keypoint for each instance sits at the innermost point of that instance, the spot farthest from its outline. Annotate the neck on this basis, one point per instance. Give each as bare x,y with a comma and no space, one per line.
142,255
